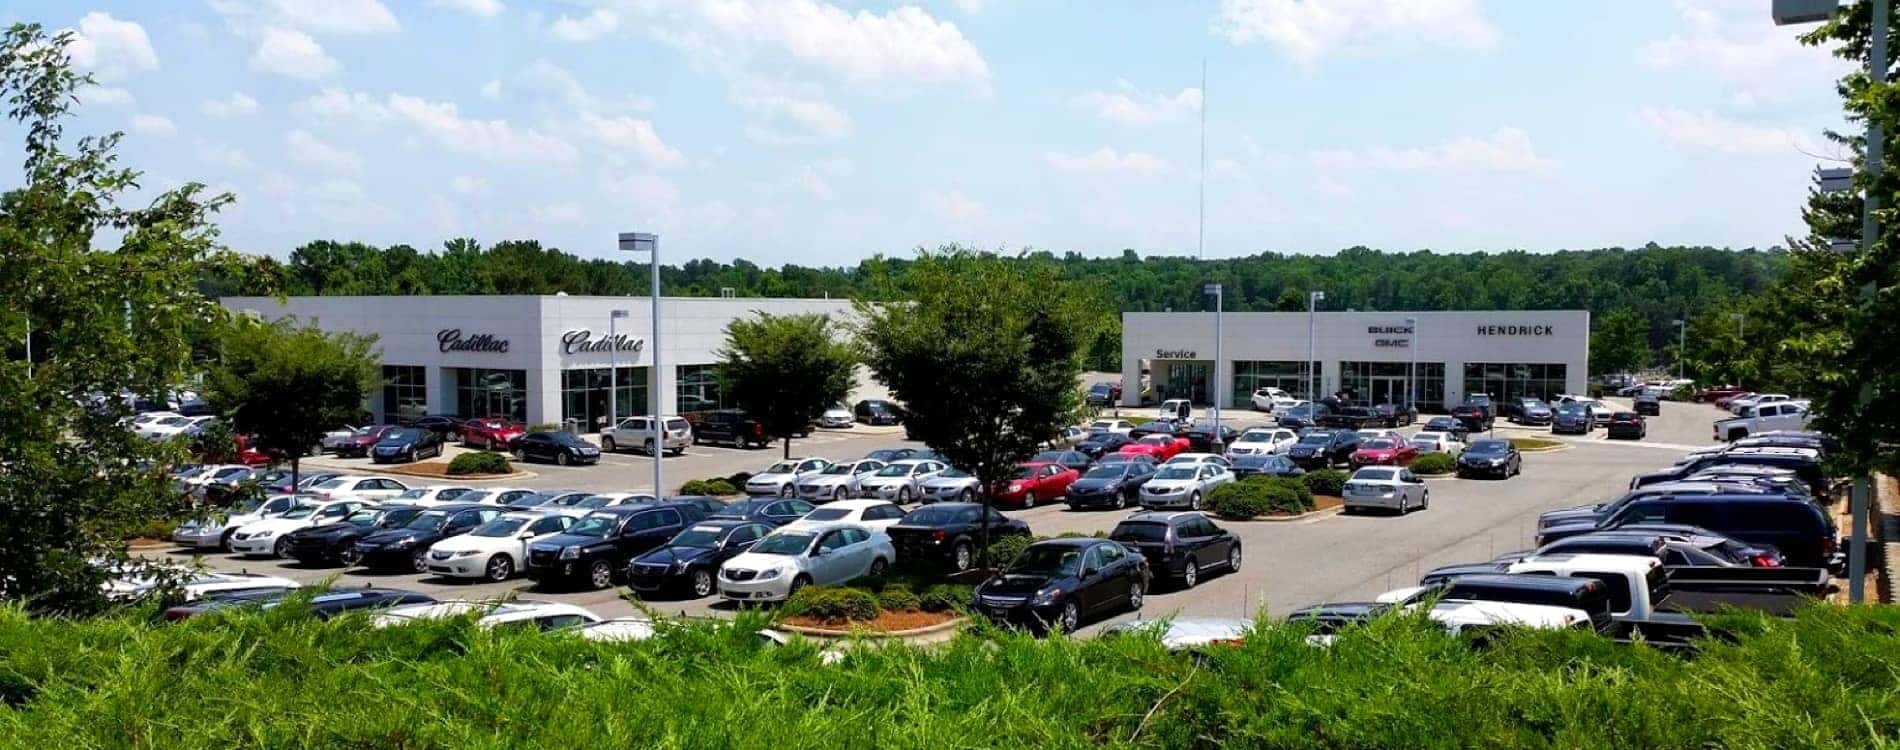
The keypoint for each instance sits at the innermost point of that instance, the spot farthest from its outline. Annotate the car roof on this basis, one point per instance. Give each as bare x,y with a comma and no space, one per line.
1163,516
452,507
1069,541
858,503
1592,561
724,524
820,527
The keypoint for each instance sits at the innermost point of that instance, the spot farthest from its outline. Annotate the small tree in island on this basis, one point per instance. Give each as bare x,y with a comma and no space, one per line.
785,370
285,385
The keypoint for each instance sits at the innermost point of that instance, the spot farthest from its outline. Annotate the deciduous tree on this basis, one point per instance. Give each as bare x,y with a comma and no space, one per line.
1619,342
785,370
285,385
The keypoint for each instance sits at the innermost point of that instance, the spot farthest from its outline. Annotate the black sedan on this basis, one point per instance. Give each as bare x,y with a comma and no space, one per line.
1448,425
1394,415
323,605
1055,584
1626,425
689,562
406,444
440,424
1304,415
1476,417
1102,443
562,448
1320,449
949,533
1157,427
1203,437
1076,460
1180,545
1646,405
405,548
1490,458
335,543
1111,486
774,512
1259,464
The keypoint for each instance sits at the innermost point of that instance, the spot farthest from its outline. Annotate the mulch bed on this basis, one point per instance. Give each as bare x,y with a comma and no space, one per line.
884,622
440,470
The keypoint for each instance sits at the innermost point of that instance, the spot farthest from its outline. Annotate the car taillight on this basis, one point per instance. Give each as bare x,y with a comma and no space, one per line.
758,430
1764,560
1827,545
937,535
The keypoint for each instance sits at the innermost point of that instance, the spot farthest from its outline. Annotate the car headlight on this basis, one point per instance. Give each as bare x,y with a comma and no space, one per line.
1045,597
770,573
403,542
263,534
570,553
466,552
1015,486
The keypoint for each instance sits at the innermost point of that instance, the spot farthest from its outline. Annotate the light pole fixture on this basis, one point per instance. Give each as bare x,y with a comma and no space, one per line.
1312,335
613,367
1215,289
642,242
1788,12
1411,375
1682,350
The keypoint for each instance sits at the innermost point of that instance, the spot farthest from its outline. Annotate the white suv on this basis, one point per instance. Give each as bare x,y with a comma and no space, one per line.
637,433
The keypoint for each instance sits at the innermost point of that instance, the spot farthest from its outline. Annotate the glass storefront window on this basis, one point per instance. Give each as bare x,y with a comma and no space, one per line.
405,393
1515,380
699,389
1372,383
491,393
584,395
1286,376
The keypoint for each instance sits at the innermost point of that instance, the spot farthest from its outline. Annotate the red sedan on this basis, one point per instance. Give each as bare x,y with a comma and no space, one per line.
1036,482
1384,451
1718,394
1161,446
249,456
358,443
491,433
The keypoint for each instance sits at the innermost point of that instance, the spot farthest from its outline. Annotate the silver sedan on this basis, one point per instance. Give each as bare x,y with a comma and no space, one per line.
1386,488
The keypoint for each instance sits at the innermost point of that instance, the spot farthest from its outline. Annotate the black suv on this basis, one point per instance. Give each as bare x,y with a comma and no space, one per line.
729,426
1476,417
1179,545
875,412
1647,405
949,533
597,548
1801,530
1322,449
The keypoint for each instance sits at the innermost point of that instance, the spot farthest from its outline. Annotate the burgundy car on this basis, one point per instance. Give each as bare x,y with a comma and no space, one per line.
1384,451
358,443
491,433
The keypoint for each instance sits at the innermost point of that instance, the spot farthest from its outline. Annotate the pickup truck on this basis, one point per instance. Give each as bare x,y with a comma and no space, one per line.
1763,418
1351,418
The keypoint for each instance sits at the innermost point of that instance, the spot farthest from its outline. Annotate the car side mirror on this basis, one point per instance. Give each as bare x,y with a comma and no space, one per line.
1090,572
821,552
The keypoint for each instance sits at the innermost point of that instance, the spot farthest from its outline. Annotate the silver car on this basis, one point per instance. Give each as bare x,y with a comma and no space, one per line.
900,481
1386,488
838,481
1183,485
950,484
779,478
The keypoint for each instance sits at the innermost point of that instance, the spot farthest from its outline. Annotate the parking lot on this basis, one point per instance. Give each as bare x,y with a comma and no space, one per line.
1287,564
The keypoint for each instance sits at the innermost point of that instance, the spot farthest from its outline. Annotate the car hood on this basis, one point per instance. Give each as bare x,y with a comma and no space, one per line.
950,482
826,480
1376,452
750,561
330,530
669,555
274,525
1305,449
1086,485
880,481
391,536
467,542
1567,529
1170,484
401,443
775,477
1570,417
360,440
565,540
1566,516
1468,457
1014,585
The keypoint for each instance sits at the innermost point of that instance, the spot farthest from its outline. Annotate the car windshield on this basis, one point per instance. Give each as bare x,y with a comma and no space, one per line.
743,508
403,435
246,507
940,516
1425,442
1252,436
784,543
500,527
953,474
1303,410
330,484
1373,475
1175,472
566,438
601,501
1376,445
301,512
366,431
1572,409
1157,440
1047,560
595,526
1535,403
428,521
364,517
1099,388
1441,423
838,469
1139,531
1107,472
782,467
529,500
894,470
1316,438
703,537
827,514
475,496
1487,446
1053,457
395,517
415,494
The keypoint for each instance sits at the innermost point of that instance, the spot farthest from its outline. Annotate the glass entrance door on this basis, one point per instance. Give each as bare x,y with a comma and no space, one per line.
1387,390
1187,380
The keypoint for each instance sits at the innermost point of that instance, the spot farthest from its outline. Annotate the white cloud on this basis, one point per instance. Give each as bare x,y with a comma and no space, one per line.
338,105
633,135
955,206
904,47
308,149
238,103
228,157
292,53
802,107
105,96
587,28
1104,161
342,201
545,79
1131,107
333,16
153,125
483,8
468,185
567,212
1733,42
492,140
639,191
1307,31
1708,131
809,180
1507,150
111,49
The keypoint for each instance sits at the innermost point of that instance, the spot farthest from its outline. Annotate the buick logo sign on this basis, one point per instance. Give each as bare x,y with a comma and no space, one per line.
582,341
451,340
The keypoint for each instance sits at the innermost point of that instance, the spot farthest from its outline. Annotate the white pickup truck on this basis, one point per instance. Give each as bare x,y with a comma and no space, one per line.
1780,415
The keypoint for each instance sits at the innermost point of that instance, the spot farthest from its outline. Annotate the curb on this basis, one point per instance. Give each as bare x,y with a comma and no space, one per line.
468,478
1438,477
1552,449
1308,516
911,633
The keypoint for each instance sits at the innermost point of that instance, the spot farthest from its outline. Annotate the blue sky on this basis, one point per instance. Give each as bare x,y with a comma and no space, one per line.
823,131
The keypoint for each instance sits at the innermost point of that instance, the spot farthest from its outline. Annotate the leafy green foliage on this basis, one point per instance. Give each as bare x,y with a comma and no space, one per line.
899,598
785,370
1432,464
285,385
479,462
107,296
1326,481
712,487
738,478
946,597
832,604
1259,496
1619,342
1004,549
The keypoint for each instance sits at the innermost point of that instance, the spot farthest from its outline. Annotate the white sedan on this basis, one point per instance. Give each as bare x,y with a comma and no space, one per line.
216,531
780,478
1259,441
1119,426
876,515
1385,487
838,481
169,427
1438,442
1600,410
542,616
1183,486
1196,459
434,494
267,537
1273,399
786,560
366,488
496,550
838,417
950,484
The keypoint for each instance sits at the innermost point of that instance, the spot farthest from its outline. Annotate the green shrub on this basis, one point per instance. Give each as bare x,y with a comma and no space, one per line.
1003,549
899,598
832,605
1325,481
1428,464
480,462
547,427
946,597
739,478
714,487
1302,494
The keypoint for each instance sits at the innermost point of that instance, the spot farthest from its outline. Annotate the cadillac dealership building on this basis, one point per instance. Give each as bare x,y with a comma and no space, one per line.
536,358
1365,356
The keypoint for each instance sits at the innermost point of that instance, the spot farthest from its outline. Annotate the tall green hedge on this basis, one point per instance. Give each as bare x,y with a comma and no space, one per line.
1259,496
1428,464
480,462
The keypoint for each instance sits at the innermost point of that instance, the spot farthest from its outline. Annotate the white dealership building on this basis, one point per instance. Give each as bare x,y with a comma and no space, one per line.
537,359
1365,357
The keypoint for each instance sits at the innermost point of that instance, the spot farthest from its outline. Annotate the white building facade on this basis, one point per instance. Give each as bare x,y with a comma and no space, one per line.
537,359
1365,357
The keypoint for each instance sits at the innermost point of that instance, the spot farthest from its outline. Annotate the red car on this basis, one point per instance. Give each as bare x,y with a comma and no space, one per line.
1719,393
1384,451
1035,482
358,443
1162,447
491,433
249,456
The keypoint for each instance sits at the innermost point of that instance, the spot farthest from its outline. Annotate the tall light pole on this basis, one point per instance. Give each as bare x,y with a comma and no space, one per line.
1215,289
1312,335
1682,342
613,367
1411,374
642,242
1788,12
1741,330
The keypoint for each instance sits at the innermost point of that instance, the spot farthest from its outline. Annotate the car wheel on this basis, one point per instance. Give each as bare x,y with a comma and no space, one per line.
499,568
561,459
903,496
967,495
519,455
702,583
1069,618
1135,596
1425,501
963,557
785,490
224,542
1121,501
879,567
1194,501
607,444
837,494
486,444
797,583
600,575
648,448
1233,559
349,556
1190,575
418,561
1405,506
412,455
1029,499
281,549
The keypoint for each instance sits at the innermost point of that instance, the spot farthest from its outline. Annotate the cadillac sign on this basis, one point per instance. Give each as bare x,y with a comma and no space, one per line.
582,341
451,340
